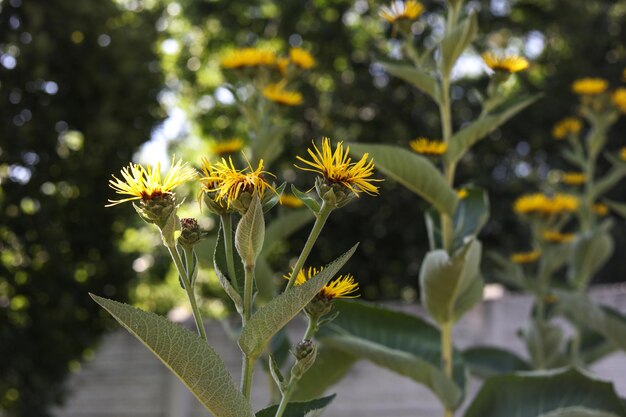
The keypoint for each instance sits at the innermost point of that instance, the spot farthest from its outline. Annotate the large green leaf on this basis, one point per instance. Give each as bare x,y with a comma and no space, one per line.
188,356
232,285
417,77
454,43
273,316
465,138
415,172
591,251
312,408
402,343
488,361
330,366
451,285
535,394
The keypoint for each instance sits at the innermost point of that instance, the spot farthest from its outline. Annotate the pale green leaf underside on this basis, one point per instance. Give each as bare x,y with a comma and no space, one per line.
188,356
412,171
250,233
273,316
415,76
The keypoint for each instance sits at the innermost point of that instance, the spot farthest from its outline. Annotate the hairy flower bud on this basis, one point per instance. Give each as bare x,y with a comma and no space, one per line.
305,353
158,209
191,233
319,307
333,194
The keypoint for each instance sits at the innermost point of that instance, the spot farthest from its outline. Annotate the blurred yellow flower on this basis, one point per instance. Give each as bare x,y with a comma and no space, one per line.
619,99
545,205
248,58
510,63
426,146
573,178
223,179
146,183
337,167
290,200
567,126
622,154
461,193
590,86
554,236
600,209
227,146
301,58
525,257
341,287
276,92
282,64
401,10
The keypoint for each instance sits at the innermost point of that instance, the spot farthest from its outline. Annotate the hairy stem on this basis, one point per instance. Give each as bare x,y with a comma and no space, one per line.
446,356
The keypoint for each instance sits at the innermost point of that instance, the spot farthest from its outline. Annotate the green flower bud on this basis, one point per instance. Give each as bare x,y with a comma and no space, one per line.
157,210
305,353
318,307
191,233
333,194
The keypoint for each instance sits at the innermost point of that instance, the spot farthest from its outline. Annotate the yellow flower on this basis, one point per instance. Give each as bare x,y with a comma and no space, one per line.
282,64
573,178
248,58
545,205
619,99
525,257
461,193
227,146
554,236
600,209
341,287
277,93
510,64
301,58
401,10
337,167
290,200
425,146
567,126
228,183
146,183
622,154
589,86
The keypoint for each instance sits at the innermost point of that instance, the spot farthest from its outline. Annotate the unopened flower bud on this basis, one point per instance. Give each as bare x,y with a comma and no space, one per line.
191,233
318,307
305,353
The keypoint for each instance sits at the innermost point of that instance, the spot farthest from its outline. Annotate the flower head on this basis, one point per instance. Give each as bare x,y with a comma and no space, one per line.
337,168
525,257
301,58
510,63
622,154
589,86
146,183
461,193
227,146
573,178
619,99
282,65
228,184
554,236
546,205
290,200
277,93
248,58
567,126
401,10
341,287
426,146
600,209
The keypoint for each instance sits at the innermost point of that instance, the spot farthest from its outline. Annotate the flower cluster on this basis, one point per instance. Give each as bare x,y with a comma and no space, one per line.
546,205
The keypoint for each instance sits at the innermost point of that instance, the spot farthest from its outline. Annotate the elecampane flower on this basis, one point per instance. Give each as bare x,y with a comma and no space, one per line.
590,86
277,93
573,178
227,146
401,10
546,205
426,146
619,99
146,183
337,167
567,126
301,58
525,257
341,287
554,236
248,58
509,63
290,200
600,209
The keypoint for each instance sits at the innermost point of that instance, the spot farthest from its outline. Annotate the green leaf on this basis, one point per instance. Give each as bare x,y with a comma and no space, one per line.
535,394
591,251
250,233
610,180
577,412
508,273
188,356
592,346
467,137
330,366
312,408
220,266
415,172
487,361
449,284
402,343
273,316
453,45
270,199
415,76
544,341
308,201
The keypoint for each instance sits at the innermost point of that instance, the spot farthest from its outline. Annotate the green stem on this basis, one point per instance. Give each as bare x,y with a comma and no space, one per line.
187,284
320,220
446,356
311,329
228,245
247,362
285,400
247,368
449,168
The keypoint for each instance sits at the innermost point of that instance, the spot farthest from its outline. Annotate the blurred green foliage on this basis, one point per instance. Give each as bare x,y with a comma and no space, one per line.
78,88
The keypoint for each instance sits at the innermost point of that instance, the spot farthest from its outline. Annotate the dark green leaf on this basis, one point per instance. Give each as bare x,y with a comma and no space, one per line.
312,408
485,361
308,201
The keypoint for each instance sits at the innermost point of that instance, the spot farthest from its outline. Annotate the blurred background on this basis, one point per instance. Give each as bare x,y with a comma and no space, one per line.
87,86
